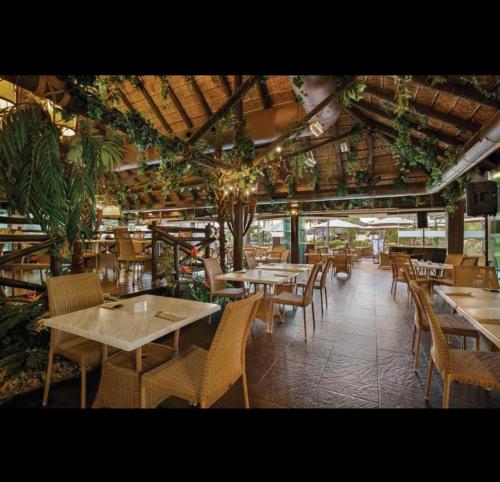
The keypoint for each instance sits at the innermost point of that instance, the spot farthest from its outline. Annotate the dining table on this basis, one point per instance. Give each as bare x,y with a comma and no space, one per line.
480,306
428,268
301,267
268,279
130,326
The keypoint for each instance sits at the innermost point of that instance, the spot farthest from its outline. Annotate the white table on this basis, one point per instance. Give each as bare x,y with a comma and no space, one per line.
428,268
270,278
303,268
131,326
480,306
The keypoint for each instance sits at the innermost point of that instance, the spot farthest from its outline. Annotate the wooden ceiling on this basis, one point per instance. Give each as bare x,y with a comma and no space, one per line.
454,113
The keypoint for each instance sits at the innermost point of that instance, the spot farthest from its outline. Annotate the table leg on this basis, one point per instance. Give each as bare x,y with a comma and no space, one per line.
138,360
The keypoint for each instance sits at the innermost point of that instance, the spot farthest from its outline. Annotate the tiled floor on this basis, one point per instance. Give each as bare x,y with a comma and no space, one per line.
358,357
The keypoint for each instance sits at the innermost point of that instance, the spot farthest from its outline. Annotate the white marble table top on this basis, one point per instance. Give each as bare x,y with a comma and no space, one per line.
134,324
425,264
268,277
286,267
475,304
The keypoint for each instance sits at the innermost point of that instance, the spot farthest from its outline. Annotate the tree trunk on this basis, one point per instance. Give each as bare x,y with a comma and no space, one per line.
77,257
222,243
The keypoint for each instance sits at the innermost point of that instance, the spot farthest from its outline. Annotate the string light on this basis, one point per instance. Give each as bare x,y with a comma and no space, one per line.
278,149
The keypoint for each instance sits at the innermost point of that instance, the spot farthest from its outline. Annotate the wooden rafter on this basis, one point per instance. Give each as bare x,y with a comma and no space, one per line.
153,106
125,100
456,122
443,138
265,98
383,132
179,107
225,85
462,91
228,105
201,98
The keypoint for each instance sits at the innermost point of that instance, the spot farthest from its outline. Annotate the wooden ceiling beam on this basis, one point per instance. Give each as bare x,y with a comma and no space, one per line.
265,98
225,85
153,106
179,107
462,91
228,105
386,134
453,121
443,138
201,98
125,100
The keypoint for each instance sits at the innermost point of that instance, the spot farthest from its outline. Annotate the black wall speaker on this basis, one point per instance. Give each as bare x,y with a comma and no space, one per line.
422,220
481,198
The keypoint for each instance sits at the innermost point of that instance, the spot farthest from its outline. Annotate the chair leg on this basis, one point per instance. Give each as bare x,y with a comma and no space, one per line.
48,377
245,389
446,393
83,391
326,298
417,352
395,288
429,379
478,336
314,317
321,295
464,343
305,324
413,339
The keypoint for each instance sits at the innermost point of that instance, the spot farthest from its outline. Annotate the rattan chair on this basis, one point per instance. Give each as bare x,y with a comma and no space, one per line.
475,277
67,294
200,376
314,258
251,261
284,256
321,284
472,367
450,324
385,261
469,261
218,287
126,251
342,264
303,300
401,260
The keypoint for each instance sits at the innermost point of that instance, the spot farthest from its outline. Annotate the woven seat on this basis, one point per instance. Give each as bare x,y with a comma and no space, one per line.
287,298
450,324
67,294
201,376
474,368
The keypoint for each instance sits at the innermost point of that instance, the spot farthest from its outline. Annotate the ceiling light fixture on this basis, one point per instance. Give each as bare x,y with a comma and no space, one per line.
316,128
495,174
344,147
310,161
278,149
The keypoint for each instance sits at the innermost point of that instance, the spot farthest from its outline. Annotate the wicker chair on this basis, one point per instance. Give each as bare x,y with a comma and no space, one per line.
385,261
321,284
469,261
284,256
303,300
450,324
67,294
314,258
126,250
475,277
473,367
251,261
342,264
401,260
201,376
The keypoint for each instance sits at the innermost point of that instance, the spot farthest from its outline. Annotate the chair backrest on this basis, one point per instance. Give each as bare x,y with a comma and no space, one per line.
213,269
70,293
399,260
385,259
475,276
274,255
439,351
226,357
323,250
251,261
454,258
419,309
324,273
469,261
342,262
284,256
314,258
308,291
261,251
126,251
313,250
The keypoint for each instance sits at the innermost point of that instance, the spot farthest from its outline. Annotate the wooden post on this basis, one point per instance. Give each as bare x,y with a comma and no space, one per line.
238,236
176,268
77,257
154,252
222,242
208,234
294,238
455,225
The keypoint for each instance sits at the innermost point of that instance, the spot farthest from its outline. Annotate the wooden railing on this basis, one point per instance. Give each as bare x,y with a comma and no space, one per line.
179,244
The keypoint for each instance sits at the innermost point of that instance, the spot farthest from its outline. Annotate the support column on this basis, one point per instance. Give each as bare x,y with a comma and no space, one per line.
294,238
238,236
455,227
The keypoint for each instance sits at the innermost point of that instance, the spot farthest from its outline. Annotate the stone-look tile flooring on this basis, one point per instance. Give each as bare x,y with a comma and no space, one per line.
359,356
